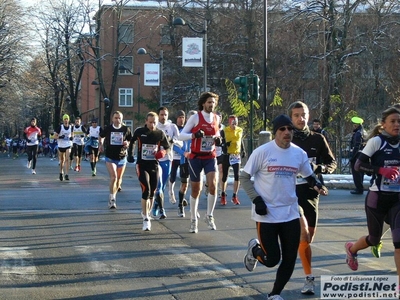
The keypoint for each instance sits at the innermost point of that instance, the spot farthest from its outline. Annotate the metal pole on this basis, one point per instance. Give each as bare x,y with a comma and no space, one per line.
265,65
138,97
161,75
205,54
100,117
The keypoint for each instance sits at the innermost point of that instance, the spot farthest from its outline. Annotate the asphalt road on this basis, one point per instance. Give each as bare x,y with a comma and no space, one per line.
60,241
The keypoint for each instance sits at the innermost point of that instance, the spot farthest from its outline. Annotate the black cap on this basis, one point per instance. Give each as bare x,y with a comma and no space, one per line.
281,120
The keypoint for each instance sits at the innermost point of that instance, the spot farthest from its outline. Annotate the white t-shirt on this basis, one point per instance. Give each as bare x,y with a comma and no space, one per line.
275,170
172,133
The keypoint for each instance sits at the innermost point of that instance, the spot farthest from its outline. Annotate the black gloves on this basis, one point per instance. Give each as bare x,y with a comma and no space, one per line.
130,157
199,134
71,138
29,141
261,208
228,144
82,135
61,137
218,141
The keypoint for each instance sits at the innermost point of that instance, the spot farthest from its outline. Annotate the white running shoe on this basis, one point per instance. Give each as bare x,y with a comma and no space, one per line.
193,226
112,204
28,164
33,172
181,212
308,288
275,297
210,222
146,225
250,262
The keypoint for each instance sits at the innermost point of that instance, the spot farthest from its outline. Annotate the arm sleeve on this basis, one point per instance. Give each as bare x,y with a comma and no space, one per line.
186,133
247,185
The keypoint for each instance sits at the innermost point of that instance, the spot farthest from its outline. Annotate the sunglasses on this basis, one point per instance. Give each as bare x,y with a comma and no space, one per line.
285,128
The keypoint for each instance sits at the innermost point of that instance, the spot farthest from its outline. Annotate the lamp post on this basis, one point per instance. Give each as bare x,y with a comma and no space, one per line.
123,68
143,51
94,82
181,22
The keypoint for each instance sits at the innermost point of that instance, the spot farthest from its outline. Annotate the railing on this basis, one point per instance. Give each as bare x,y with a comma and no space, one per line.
340,149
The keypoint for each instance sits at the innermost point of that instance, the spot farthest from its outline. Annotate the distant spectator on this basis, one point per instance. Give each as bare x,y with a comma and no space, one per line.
317,127
356,145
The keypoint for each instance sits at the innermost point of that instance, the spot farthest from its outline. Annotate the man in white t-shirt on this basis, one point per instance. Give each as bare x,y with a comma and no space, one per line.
275,208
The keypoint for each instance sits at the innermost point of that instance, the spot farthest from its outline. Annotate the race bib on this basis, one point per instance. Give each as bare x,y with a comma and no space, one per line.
149,151
388,185
94,143
117,138
234,159
207,144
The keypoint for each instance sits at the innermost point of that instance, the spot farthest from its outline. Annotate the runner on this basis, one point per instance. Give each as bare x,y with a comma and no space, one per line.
64,135
32,134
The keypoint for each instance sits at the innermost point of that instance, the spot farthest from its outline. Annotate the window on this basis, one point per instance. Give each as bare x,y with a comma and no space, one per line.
126,33
125,65
129,123
165,35
125,98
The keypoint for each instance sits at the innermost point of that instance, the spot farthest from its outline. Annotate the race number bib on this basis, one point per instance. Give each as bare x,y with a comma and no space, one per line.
207,144
117,138
234,159
388,185
149,151
94,143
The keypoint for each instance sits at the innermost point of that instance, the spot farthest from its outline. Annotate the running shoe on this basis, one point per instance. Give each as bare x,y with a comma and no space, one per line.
119,189
112,204
376,250
351,259
76,169
185,202
66,177
71,167
79,168
61,177
275,297
28,164
223,200
163,215
155,209
33,172
308,288
94,173
181,212
210,222
235,200
193,226
146,225
250,262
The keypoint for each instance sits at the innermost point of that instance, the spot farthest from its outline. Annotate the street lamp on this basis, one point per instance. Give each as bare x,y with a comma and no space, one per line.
123,68
143,51
181,22
94,82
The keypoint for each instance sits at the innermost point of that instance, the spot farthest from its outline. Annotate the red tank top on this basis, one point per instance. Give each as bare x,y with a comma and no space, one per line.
204,148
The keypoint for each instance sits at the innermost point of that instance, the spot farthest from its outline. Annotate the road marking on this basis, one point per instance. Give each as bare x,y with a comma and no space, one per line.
16,261
93,255
194,262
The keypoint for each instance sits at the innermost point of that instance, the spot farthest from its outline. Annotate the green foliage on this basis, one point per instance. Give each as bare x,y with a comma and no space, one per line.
277,101
242,109
350,114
